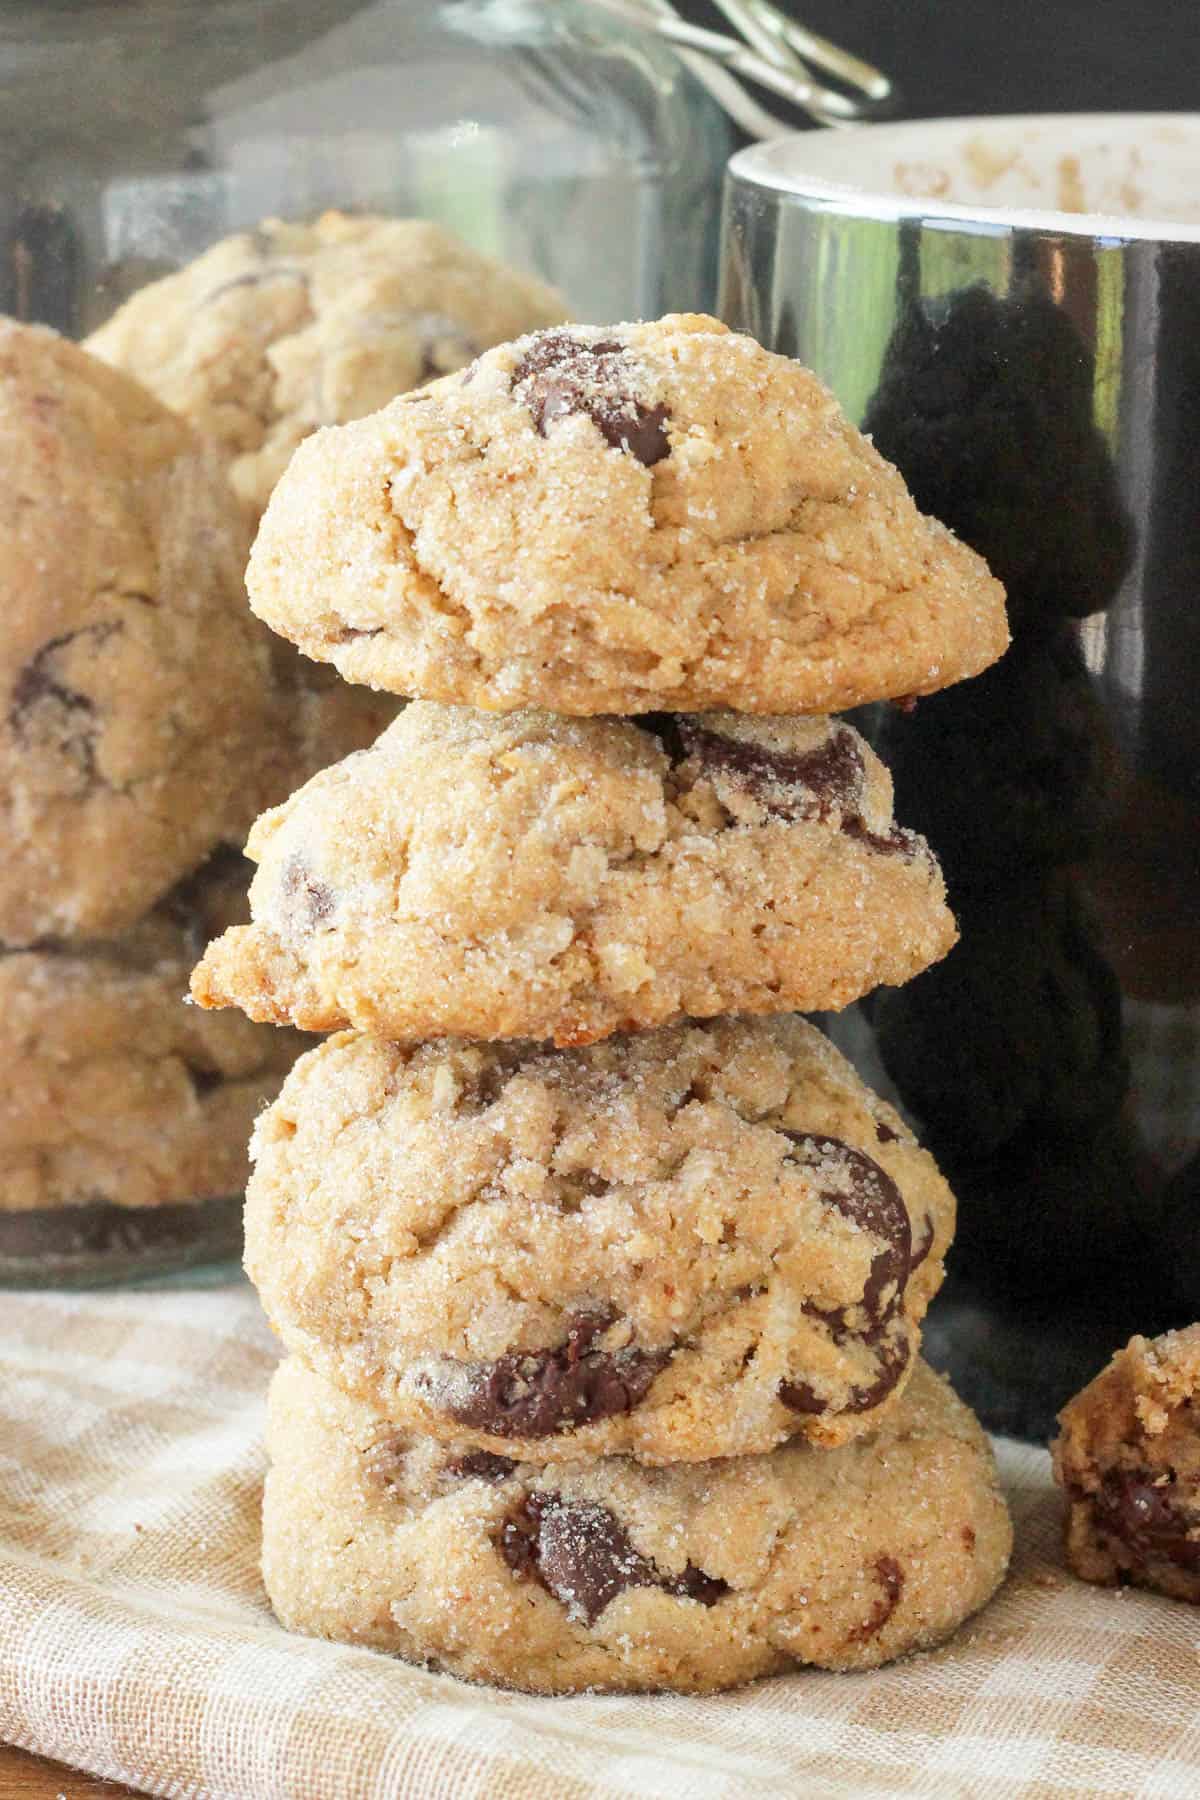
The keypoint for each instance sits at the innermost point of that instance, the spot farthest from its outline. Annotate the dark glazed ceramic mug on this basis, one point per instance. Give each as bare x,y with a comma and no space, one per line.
1012,308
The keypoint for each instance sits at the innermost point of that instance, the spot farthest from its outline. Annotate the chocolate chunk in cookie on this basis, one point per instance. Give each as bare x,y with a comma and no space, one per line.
47,714
564,373
307,901
533,1395
582,1554
863,1192
480,1465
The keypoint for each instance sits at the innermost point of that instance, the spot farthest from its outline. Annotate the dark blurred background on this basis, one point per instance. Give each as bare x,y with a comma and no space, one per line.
989,56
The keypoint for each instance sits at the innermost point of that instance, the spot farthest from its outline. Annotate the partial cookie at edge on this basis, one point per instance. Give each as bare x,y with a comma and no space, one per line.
1128,1460
136,697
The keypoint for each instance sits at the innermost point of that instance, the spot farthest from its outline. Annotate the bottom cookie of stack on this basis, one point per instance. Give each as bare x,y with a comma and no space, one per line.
611,1575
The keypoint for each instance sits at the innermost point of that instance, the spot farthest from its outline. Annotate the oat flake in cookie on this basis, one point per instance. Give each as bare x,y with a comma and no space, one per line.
137,702
277,331
689,1243
527,876
1128,1460
617,520
558,1578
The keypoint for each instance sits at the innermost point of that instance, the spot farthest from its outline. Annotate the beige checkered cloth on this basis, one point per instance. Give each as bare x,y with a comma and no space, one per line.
135,1639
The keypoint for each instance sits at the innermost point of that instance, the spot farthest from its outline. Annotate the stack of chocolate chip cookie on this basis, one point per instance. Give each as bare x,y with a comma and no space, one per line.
601,1272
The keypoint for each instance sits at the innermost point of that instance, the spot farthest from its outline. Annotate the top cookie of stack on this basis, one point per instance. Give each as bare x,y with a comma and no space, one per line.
746,549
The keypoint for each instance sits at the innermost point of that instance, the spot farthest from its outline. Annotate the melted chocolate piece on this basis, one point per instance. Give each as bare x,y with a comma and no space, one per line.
306,899
807,784
44,707
481,1465
891,1579
894,1358
581,1553
870,1199
828,778
885,1134
533,1394
561,374
1149,1518
799,1397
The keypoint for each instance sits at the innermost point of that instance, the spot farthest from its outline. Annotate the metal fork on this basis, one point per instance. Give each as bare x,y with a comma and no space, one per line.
773,52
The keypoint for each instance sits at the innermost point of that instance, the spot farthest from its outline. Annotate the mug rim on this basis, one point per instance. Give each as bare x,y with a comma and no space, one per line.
776,166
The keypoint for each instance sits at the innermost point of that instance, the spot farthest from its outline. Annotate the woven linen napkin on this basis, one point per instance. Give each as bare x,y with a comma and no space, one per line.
136,1641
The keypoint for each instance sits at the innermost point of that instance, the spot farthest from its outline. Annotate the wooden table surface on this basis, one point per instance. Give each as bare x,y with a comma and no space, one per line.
24,1777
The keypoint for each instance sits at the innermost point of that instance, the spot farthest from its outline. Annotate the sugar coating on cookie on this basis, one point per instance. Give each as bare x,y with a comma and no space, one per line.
114,1092
683,1244
1128,1460
615,520
557,1578
274,332
527,876
138,703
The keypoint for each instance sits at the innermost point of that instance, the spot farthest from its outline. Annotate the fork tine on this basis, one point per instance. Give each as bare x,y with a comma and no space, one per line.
853,70
767,52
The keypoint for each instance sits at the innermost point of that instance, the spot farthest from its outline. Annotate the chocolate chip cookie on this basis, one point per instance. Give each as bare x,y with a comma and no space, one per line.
1128,1460
618,520
138,711
557,1578
114,1092
688,1243
528,876
276,331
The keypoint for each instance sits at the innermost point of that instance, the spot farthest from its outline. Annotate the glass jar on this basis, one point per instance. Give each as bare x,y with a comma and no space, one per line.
134,135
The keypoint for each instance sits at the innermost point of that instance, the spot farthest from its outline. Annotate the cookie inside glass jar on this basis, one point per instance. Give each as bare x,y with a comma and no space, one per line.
127,768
